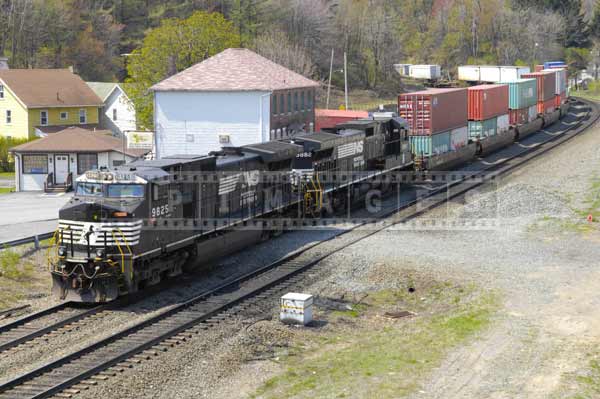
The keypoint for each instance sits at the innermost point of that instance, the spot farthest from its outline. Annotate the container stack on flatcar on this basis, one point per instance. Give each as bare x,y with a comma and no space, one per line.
488,111
522,101
437,120
546,90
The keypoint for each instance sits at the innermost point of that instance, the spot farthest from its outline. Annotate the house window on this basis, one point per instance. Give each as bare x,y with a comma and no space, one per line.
64,116
296,102
86,162
289,103
274,111
82,116
303,103
8,116
43,118
35,164
1,92
281,103
310,100
114,114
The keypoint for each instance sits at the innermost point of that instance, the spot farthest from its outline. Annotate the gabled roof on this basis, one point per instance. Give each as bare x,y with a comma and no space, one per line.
103,89
48,88
235,69
75,139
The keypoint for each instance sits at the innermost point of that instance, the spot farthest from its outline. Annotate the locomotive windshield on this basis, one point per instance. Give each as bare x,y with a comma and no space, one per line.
125,191
110,190
89,189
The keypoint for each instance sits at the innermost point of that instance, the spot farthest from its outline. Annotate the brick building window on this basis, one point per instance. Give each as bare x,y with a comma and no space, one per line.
281,104
310,100
289,103
274,110
302,102
296,101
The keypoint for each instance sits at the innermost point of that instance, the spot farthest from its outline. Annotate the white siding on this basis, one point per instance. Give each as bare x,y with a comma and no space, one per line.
125,113
191,122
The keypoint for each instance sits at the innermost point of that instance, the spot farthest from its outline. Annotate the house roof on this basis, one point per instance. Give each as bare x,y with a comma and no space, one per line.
235,69
47,88
55,129
76,139
102,89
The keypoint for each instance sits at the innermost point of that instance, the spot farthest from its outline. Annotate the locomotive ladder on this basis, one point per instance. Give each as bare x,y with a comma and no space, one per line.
313,196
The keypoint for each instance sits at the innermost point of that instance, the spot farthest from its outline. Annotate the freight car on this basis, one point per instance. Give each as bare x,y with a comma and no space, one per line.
137,224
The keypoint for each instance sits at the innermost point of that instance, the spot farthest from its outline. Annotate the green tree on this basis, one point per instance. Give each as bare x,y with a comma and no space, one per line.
174,46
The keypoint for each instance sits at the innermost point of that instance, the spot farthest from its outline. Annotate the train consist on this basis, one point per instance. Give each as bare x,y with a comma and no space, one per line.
132,226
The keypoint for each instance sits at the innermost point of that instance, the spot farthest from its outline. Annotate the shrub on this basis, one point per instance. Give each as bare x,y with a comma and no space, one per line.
10,264
7,162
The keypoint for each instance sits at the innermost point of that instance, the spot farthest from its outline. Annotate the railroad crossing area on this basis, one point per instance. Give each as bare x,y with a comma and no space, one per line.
24,214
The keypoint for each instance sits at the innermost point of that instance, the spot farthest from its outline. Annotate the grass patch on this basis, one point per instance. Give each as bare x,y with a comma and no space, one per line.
584,384
383,358
18,278
587,94
7,175
11,266
6,190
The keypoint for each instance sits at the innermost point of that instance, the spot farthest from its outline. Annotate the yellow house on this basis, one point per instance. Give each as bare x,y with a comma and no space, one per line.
38,102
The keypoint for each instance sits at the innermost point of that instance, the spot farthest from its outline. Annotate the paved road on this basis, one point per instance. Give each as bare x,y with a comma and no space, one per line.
27,213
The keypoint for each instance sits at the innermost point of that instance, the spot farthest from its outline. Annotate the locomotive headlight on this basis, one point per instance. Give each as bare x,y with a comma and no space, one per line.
62,251
100,253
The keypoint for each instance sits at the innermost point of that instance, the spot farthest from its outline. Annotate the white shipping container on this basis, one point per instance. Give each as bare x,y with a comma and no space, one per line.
430,72
402,69
502,123
533,114
296,308
459,138
469,73
489,73
561,81
512,73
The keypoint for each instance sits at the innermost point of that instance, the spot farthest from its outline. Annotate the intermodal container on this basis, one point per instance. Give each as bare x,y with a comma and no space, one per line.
533,113
483,129
560,99
489,73
522,93
469,73
561,81
430,72
512,73
502,124
546,84
519,116
459,138
436,144
433,111
546,107
328,118
487,101
555,64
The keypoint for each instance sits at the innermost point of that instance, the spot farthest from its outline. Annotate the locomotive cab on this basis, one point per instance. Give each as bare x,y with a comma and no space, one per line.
98,229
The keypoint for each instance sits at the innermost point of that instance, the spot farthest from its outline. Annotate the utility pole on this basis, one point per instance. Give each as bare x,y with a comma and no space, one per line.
346,79
329,85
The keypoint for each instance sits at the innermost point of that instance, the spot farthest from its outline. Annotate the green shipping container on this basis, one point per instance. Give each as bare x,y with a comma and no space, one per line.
430,145
522,93
483,129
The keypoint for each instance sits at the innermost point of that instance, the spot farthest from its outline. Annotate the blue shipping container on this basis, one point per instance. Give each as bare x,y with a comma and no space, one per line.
555,64
430,145
483,129
522,93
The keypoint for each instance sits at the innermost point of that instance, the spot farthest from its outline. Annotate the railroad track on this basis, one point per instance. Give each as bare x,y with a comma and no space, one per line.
52,319
77,371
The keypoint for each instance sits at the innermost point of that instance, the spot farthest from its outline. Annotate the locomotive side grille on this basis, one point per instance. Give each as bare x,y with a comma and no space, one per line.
129,230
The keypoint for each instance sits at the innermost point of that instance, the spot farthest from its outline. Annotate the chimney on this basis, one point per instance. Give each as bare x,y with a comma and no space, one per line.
4,63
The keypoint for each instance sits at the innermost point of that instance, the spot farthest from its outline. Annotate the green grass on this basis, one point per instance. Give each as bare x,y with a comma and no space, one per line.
7,175
583,384
594,96
5,190
387,361
10,265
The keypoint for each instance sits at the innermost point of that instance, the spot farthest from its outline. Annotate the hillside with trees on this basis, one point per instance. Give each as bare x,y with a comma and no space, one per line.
144,41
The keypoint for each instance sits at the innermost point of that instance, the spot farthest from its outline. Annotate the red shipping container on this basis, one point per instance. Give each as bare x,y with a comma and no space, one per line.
546,107
518,116
560,99
328,118
433,111
546,84
538,68
487,101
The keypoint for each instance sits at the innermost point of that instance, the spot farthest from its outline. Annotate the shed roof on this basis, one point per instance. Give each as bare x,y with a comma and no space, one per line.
235,69
75,139
47,88
102,89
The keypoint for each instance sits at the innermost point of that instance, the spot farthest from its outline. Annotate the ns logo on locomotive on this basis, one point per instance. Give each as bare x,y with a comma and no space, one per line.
137,224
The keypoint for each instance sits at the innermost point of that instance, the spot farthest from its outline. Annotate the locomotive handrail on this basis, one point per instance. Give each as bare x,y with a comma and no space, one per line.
121,250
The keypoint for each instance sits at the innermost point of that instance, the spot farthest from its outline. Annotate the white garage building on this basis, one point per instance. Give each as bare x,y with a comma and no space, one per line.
235,98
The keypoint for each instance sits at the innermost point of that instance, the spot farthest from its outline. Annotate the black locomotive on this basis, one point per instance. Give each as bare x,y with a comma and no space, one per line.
137,224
